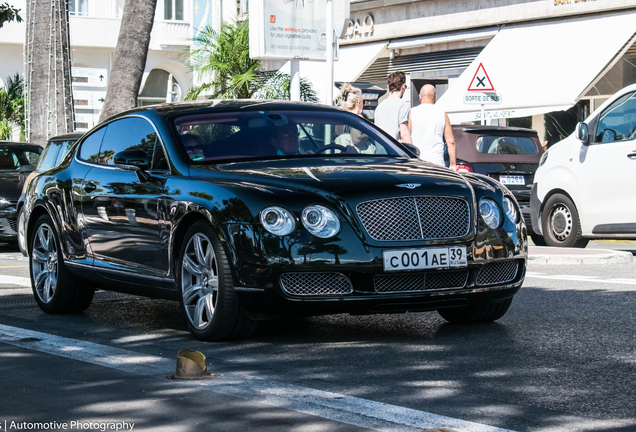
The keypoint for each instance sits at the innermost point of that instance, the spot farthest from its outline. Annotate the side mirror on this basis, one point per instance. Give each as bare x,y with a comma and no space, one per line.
582,133
133,160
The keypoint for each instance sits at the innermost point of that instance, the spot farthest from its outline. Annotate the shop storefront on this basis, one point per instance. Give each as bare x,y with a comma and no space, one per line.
550,62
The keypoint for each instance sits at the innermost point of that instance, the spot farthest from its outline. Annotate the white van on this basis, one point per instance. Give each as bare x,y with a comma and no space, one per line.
585,186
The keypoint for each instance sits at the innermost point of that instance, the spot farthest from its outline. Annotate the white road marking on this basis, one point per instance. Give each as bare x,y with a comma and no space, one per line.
328,405
597,279
15,280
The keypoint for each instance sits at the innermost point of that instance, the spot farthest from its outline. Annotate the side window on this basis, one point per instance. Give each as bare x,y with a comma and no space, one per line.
618,122
65,147
48,157
128,134
89,150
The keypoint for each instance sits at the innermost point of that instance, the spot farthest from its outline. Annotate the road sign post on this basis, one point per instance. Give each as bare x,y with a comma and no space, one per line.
481,91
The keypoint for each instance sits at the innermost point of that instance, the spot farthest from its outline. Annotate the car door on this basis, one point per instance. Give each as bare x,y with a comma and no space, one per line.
608,171
121,210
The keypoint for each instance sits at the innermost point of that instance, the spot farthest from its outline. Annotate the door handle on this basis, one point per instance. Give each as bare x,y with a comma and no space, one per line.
632,155
89,187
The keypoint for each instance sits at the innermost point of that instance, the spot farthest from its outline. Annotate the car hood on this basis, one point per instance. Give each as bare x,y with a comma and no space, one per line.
350,178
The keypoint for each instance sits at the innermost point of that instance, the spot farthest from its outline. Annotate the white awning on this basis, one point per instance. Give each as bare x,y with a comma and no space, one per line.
541,68
353,61
419,42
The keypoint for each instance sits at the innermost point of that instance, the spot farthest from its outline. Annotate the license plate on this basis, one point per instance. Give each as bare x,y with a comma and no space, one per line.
425,258
512,180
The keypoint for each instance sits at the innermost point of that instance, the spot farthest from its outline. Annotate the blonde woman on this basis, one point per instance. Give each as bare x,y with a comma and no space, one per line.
351,99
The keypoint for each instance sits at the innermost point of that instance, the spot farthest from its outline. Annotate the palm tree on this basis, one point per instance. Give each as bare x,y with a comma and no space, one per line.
130,57
12,107
224,56
277,85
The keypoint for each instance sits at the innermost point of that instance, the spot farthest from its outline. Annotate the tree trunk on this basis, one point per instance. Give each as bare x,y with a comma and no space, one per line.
130,57
49,100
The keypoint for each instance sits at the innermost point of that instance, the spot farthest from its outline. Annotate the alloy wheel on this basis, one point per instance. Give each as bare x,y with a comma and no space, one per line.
199,281
44,269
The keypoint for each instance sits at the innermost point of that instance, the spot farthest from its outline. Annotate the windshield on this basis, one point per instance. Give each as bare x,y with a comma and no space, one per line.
276,134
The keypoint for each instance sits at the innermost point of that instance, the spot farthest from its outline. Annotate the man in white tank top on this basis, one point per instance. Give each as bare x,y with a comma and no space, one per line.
429,126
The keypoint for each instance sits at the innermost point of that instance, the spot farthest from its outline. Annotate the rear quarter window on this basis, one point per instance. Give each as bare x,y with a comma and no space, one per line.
498,144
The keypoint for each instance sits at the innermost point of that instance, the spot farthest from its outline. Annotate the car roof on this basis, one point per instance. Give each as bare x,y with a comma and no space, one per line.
67,137
20,144
222,105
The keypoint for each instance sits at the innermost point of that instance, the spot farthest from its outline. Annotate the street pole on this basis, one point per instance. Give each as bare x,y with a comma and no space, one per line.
295,80
330,43
483,117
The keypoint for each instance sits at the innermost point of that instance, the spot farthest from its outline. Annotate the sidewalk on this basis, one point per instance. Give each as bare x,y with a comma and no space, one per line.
567,256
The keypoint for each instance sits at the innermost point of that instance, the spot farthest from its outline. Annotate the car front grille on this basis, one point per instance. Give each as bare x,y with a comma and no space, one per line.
314,283
13,223
385,283
497,273
415,218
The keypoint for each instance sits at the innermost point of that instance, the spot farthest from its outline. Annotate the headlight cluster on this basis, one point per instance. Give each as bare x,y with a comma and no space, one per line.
510,209
491,214
318,220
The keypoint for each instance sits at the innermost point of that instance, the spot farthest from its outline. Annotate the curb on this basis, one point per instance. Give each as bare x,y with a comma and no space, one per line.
538,255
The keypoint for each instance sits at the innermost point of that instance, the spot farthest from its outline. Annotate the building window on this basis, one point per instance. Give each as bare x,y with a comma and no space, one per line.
242,8
78,7
173,10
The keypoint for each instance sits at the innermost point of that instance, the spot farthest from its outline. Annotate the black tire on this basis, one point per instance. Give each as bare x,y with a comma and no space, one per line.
56,290
538,240
480,313
561,224
209,303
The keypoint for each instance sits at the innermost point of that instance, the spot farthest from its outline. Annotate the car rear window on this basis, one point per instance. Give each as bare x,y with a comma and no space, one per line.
498,144
12,159
271,134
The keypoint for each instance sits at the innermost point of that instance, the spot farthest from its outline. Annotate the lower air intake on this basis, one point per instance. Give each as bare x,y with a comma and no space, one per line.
497,273
311,284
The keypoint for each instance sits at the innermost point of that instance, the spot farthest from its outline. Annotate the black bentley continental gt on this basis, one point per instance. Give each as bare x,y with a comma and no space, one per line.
249,210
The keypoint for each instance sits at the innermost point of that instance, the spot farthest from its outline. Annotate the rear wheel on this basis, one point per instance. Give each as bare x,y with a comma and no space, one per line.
55,289
208,300
561,225
480,313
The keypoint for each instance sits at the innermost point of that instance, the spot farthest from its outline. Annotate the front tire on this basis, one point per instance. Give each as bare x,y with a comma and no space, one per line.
561,224
56,290
208,300
480,313
21,232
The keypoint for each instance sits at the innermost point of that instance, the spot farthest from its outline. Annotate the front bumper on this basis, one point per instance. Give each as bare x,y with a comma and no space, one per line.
348,276
8,224
535,211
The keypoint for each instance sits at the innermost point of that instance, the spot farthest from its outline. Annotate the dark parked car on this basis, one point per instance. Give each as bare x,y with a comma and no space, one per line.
247,210
17,160
508,154
54,151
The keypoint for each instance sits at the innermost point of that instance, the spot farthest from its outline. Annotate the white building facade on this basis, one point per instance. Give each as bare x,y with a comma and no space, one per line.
94,29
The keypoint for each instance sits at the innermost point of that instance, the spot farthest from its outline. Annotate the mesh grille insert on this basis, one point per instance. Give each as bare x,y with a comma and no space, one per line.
420,281
307,284
497,273
415,218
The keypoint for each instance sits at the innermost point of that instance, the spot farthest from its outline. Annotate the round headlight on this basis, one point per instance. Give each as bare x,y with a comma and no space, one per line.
4,203
510,209
490,212
320,221
278,221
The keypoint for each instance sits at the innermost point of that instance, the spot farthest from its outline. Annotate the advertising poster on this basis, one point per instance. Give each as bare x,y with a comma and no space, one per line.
288,29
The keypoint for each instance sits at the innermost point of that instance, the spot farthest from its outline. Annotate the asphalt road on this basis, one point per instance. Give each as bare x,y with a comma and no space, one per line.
561,359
